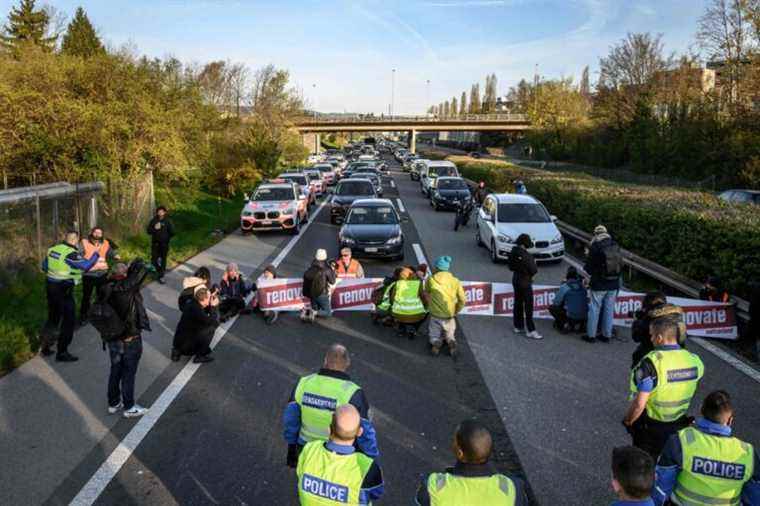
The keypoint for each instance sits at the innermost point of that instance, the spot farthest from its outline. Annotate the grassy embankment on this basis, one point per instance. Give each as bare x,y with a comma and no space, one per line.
196,214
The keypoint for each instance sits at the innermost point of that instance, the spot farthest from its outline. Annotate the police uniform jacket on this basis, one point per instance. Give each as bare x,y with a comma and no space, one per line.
471,471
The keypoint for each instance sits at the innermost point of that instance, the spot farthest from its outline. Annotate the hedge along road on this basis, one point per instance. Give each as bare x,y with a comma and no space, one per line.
558,401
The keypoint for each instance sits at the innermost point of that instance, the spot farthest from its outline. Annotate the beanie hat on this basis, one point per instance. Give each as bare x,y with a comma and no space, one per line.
600,229
443,263
321,255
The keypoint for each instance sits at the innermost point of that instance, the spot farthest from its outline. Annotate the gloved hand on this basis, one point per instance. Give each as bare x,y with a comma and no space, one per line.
292,459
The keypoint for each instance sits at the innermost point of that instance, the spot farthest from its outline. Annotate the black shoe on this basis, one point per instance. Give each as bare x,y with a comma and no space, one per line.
589,339
603,339
223,319
271,318
45,351
202,359
176,355
66,357
411,335
161,280
83,321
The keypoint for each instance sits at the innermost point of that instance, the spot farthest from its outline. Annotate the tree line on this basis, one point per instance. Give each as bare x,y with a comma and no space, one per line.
73,109
474,105
694,116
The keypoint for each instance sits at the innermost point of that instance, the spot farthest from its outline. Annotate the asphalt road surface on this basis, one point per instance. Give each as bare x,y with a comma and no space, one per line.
554,405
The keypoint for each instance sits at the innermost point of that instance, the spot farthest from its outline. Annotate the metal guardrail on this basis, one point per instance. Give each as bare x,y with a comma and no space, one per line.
653,270
496,118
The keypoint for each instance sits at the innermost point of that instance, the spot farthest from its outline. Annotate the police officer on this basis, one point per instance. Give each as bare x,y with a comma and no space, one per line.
662,386
316,396
704,464
96,276
473,480
333,472
64,267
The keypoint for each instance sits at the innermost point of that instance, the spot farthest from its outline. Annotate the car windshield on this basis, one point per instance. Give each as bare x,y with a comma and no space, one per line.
451,184
367,175
313,176
270,194
523,213
296,179
443,171
355,188
372,216
324,168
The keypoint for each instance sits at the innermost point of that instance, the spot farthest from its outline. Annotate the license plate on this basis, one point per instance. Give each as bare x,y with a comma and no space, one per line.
266,222
370,250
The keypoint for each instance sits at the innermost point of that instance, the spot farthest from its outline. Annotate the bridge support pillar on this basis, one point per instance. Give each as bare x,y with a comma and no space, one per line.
317,143
413,141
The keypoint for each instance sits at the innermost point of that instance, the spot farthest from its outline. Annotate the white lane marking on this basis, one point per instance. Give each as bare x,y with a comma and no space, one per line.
420,255
393,183
400,205
116,460
729,358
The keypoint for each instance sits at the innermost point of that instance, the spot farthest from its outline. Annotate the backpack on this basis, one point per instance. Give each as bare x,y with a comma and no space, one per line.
314,283
613,261
106,320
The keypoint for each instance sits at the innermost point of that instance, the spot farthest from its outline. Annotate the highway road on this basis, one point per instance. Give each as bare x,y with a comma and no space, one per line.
554,405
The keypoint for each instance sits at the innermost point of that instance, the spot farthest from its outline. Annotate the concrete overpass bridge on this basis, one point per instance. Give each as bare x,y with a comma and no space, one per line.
412,124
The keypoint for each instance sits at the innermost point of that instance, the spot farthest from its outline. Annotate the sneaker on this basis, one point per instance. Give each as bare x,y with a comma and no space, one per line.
312,316
271,317
135,411
304,315
163,282
202,359
589,339
603,339
176,355
518,331
66,357
452,345
534,335
45,351
112,410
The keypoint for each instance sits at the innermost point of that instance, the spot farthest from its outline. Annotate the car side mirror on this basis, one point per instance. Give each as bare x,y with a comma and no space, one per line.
553,217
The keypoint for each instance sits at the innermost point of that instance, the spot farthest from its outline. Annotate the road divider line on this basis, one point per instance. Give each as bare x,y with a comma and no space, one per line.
119,456
420,254
729,358
393,183
400,205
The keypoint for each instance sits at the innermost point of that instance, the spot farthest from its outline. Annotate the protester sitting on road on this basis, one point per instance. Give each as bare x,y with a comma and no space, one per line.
632,476
202,277
473,479
654,307
232,293
713,290
408,302
706,464
604,265
523,267
122,293
333,472
447,299
570,306
307,415
270,272
348,267
318,282
381,299
196,327
161,230
97,275
63,266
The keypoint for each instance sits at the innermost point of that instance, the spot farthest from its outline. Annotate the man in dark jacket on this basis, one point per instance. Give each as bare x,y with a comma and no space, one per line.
122,292
161,230
196,327
604,265
318,282
523,267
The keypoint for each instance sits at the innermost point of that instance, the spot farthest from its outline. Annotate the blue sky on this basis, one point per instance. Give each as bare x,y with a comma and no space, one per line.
348,48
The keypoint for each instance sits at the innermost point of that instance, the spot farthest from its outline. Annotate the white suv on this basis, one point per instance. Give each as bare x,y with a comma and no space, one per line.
503,217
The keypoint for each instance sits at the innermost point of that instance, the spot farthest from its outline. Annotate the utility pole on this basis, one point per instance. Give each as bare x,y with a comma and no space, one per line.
427,96
393,91
314,94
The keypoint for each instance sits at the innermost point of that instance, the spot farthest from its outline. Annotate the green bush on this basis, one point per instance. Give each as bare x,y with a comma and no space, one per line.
693,233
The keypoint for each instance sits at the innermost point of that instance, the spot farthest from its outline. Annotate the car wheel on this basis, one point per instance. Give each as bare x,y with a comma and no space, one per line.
494,256
478,239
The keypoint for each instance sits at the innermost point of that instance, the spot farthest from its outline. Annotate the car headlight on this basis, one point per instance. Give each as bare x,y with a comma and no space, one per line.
247,213
558,240
395,240
504,238
347,240
289,210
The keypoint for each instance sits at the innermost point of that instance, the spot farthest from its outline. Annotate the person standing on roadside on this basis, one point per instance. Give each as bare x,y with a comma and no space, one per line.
122,293
318,282
446,300
480,193
604,264
523,267
161,230
63,266
348,267
97,275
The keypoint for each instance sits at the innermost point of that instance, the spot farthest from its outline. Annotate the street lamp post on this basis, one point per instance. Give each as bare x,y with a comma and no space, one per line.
393,91
427,96
314,94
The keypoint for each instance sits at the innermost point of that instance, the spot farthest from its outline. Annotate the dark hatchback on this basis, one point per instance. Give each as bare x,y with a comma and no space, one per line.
372,228
345,193
448,191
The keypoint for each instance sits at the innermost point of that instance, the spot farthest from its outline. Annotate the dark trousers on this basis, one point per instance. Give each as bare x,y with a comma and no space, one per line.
61,315
523,312
89,284
199,344
158,254
124,359
651,435
231,306
561,319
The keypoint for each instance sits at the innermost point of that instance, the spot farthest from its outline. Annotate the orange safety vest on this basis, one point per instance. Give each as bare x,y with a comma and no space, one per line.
90,248
350,272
